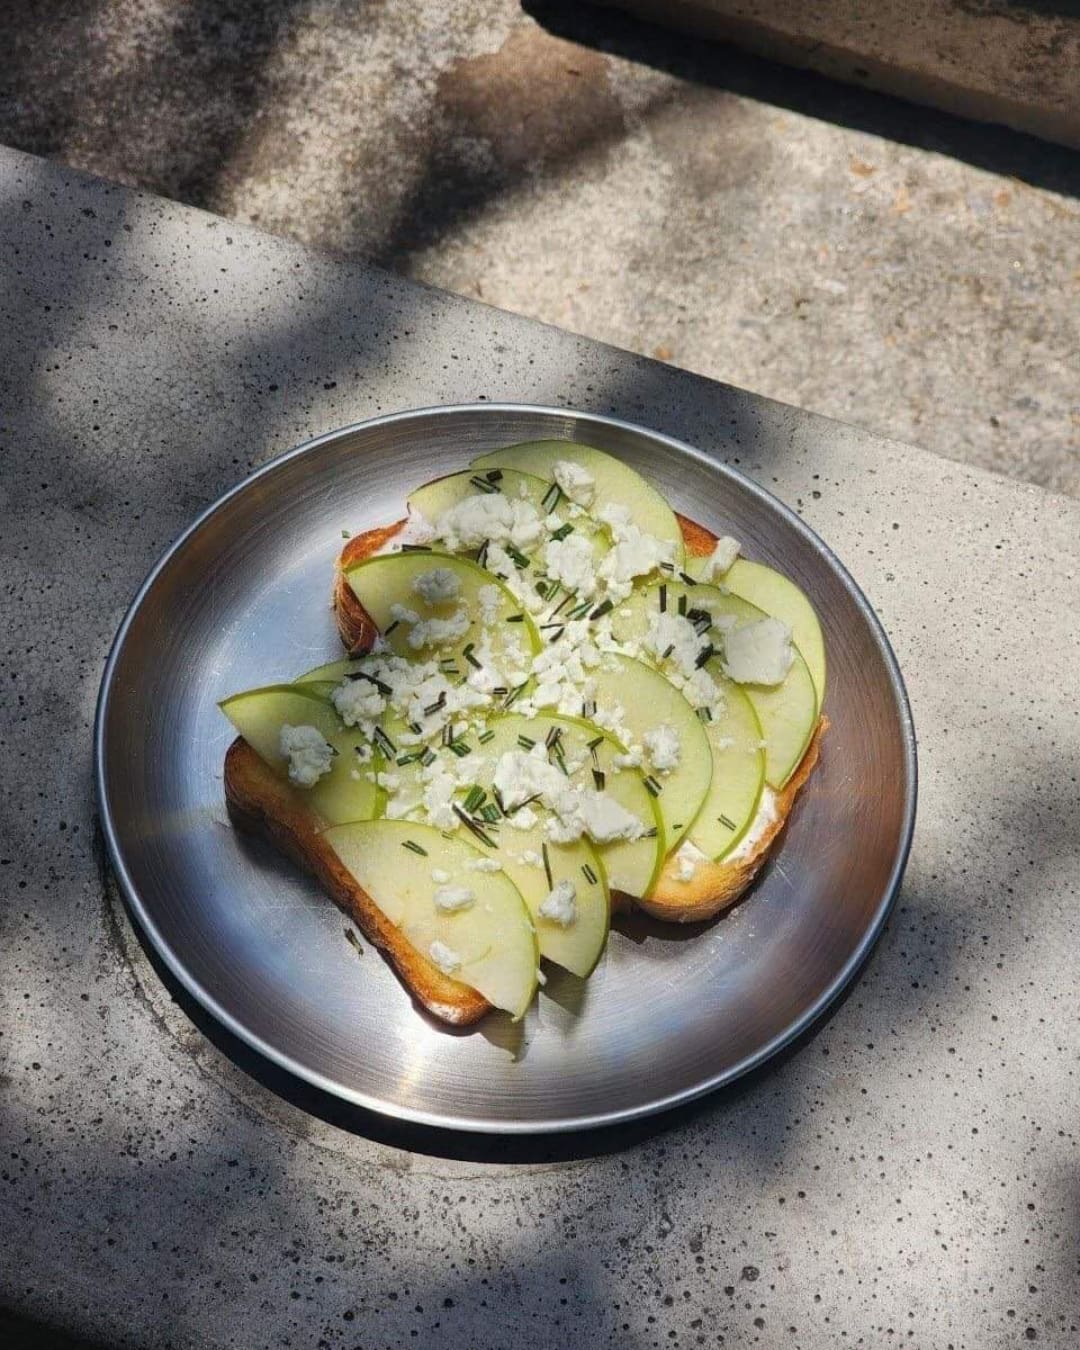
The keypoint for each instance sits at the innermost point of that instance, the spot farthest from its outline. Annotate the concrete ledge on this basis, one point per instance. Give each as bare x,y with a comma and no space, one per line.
990,60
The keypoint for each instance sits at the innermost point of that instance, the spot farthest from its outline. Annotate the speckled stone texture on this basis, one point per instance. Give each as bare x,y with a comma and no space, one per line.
907,1175
895,267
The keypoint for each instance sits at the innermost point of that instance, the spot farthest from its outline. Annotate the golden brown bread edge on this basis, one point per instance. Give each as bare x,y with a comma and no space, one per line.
261,802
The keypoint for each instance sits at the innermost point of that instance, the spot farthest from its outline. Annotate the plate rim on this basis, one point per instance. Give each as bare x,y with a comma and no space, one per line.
477,1124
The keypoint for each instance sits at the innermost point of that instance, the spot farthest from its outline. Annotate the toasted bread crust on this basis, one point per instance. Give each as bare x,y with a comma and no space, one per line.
261,802
716,885
355,625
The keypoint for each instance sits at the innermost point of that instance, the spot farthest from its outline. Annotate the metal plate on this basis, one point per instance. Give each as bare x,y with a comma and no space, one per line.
242,599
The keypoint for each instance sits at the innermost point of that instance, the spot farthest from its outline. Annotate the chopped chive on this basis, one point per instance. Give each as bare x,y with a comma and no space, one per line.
499,690
380,685
663,597
481,556
590,875
667,651
414,847
564,601
486,736
654,785
467,653
410,758
588,708
551,739
579,611
521,805
725,821
562,531
490,812
596,740
682,605
499,801
390,628
447,734
416,548
604,607
706,654
474,798
547,865
428,757
515,618
599,778
551,498
346,534
687,578
473,827
437,706
520,558
667,567
541,590
494,475
514,694
559,631
526,742
704,714
460,748
650,834
384,742
560,757
353,941
482,484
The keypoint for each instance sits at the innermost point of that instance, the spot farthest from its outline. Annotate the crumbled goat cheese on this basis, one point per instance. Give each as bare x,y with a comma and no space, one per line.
439,876
758,653
570,561
663,747
489,517
634,554
450,899
672,637
599,816
309,754
520,776
437,586
490,598
688,858
724,553
357,701
577,483
444,957
560,904
434,631
484,865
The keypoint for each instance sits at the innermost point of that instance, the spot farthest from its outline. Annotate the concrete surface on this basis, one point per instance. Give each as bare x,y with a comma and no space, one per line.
858,256
907,1175
998,60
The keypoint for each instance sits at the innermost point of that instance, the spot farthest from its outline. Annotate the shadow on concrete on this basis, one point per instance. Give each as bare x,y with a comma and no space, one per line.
719,65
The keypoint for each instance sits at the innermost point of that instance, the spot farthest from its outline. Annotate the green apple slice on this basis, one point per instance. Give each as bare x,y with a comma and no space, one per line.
431,500
490,945
615,482
386,587
776,595
738,773
636,699
348,791
533,862
788,712
331,672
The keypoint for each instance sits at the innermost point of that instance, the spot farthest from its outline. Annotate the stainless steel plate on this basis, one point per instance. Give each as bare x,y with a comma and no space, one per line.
242,599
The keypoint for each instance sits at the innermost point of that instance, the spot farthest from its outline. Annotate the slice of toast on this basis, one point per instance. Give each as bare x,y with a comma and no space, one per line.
262,802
